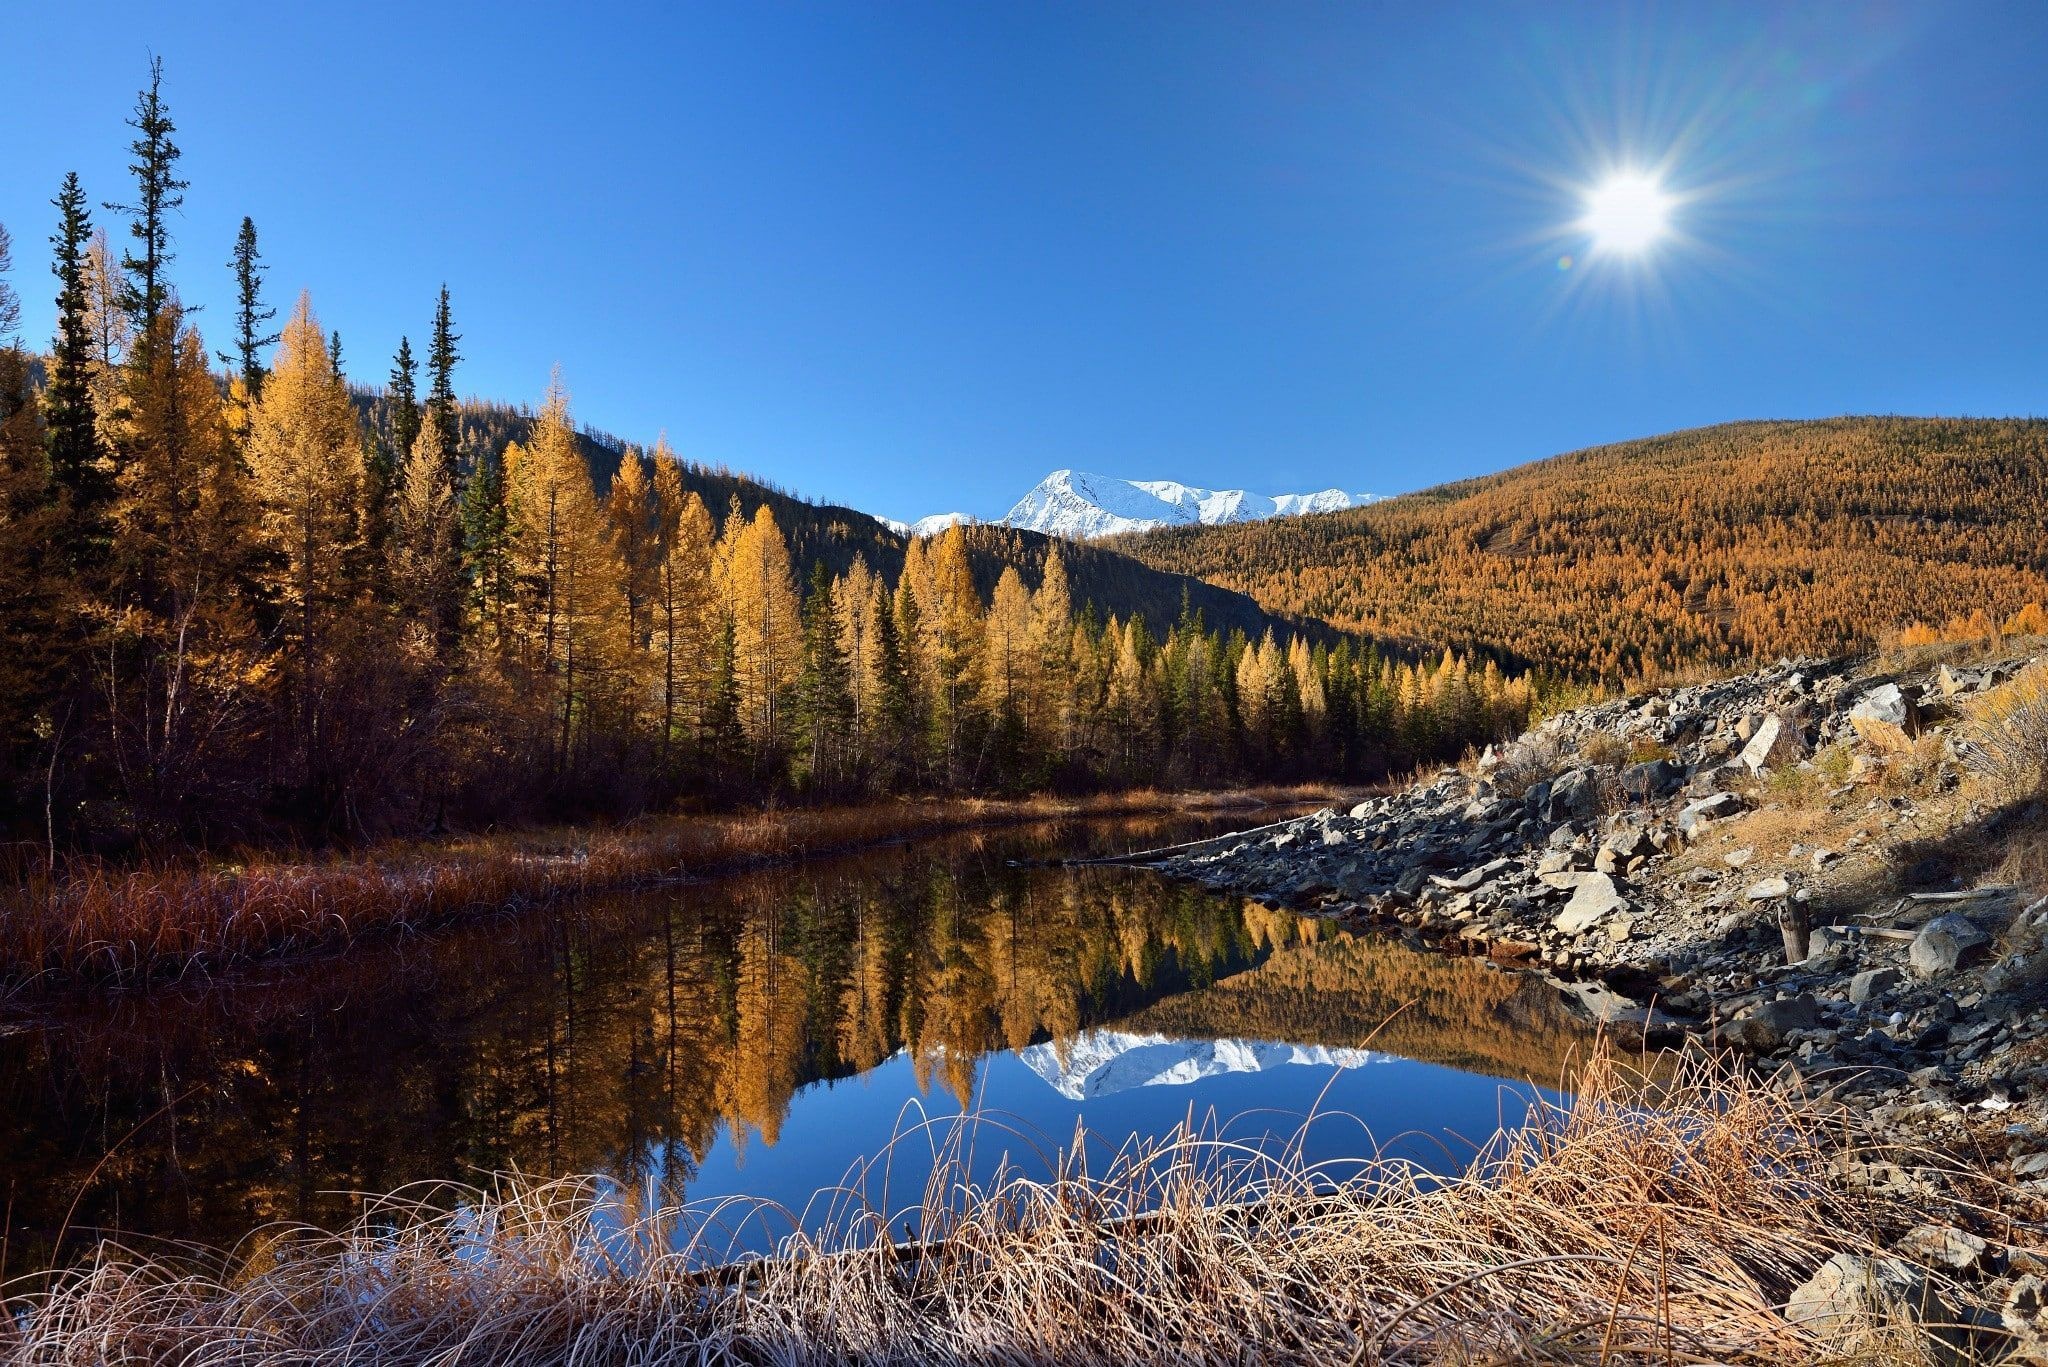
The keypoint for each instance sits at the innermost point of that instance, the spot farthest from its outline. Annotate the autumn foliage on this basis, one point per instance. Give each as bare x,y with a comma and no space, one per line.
1721,545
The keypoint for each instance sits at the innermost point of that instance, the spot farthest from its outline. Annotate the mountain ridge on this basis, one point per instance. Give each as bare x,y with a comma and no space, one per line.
1711,546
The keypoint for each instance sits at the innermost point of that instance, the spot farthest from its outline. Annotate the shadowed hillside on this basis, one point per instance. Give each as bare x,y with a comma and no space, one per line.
1722,544
1115,583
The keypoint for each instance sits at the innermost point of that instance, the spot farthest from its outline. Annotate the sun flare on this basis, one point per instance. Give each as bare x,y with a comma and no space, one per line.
1627,213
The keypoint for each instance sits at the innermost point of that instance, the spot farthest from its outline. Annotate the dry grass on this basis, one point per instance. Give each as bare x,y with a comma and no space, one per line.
2005,734
1612,1231
98,924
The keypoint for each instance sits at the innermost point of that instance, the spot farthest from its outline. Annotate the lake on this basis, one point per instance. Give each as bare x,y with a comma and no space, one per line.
763,1035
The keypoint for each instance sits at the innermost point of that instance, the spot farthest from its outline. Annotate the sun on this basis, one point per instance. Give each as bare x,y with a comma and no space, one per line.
1627,213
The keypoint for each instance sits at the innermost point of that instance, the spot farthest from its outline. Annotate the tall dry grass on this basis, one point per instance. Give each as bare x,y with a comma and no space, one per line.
1611,1231
112,925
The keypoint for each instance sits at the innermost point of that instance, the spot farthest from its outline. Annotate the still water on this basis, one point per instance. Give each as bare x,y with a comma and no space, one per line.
764,1034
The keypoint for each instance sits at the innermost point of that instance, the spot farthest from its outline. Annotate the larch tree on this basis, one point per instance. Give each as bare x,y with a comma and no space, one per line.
761,597
424,550
110,331
682,612
30,590
566,569
305,461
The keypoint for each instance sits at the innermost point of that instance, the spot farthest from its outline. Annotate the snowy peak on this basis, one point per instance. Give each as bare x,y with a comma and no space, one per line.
1101,1062
1073,503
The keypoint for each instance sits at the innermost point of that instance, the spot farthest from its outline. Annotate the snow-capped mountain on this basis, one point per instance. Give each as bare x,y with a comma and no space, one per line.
924,526
1075,504
1100,1062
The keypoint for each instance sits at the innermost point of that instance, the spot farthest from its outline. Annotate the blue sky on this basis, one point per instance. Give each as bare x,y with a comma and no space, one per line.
910,256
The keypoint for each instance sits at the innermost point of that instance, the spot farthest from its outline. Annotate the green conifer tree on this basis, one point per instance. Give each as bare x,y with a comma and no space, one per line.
158,193
824,698
68,413
441,361
250,315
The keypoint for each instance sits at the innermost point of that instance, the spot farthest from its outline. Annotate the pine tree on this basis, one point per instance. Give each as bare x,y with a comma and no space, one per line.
486,543
250,315
76,459
158,193
404,399
442,358
823,698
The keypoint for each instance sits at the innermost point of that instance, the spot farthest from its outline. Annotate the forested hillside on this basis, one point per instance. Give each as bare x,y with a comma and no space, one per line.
1115,585
267,601
1719,545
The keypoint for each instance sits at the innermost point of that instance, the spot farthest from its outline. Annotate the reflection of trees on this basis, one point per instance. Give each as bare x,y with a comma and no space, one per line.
627,1035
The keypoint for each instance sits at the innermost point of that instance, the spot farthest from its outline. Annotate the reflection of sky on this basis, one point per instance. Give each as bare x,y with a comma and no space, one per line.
1420,1113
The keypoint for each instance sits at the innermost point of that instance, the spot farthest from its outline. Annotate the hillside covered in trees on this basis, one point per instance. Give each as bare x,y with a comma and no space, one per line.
260,602
1714,546
1111,583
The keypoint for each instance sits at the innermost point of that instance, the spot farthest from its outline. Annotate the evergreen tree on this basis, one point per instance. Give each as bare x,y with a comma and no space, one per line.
824,701
68,411
158,193
486,542
250,315
405,405
441,361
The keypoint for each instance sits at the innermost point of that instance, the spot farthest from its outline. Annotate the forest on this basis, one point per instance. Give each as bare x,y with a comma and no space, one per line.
1708,548
248,601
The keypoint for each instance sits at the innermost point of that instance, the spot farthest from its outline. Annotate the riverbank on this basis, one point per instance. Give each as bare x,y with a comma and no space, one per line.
1721,1222
99,926
1839,868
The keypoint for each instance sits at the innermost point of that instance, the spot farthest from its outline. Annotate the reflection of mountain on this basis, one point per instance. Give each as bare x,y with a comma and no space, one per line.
1102,1062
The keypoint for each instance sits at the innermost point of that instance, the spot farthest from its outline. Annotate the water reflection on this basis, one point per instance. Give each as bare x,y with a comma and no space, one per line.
677,1040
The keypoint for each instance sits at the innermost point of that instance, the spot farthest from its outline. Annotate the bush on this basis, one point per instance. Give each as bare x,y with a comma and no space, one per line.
2005,734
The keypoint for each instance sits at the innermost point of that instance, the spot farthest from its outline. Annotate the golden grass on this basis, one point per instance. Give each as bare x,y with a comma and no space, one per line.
100,924
1610,1231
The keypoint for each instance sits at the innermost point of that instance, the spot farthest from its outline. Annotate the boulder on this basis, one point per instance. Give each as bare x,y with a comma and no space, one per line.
1945,944
1944,1247
2025,1316
1776,741
1852,1297
1885,718
1695,817
1875,984
1652,780
1573,794
1594,899
1769,889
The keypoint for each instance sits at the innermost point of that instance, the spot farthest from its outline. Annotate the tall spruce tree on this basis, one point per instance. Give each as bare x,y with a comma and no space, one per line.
250,315
441,361
824,702
158,192
405,402
68,410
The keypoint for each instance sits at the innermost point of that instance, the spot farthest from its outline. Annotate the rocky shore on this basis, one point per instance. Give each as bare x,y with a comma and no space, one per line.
1806,864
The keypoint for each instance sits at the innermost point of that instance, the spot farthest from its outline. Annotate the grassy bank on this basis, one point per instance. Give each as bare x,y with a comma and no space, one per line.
109,925
1607,1232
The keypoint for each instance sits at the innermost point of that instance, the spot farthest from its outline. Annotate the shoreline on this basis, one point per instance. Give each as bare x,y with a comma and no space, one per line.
107,929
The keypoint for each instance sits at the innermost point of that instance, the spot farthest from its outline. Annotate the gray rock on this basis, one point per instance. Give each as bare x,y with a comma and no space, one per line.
1573,794
1885,718
1776,741
1652,779
1945,944
1695,817
1594,899
1851,1296
1826,942
1944,1247
1769,889
1875,984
